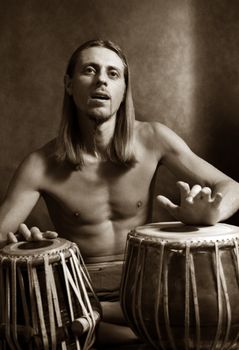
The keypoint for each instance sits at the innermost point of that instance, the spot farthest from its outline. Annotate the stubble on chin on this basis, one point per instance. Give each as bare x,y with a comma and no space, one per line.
98,120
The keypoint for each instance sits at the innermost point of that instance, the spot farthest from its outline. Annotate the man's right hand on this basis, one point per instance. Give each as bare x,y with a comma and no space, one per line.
32,234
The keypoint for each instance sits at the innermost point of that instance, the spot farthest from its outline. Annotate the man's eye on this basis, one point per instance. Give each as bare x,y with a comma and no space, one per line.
114,74
89,70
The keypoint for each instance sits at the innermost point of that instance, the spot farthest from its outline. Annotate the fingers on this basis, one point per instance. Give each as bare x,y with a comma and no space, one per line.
217,199
184,189
25,232
197,206
194,193
50,234
33,234
36,234
11,237
197,192
187,195
204,194
167,204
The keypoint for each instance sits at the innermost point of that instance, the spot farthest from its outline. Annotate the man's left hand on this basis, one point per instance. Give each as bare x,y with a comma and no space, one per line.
197,205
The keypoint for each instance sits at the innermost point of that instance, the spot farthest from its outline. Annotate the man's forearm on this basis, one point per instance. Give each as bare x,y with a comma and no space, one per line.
230,198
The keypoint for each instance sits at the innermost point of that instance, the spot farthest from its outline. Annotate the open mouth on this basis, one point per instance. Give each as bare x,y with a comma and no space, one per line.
100,96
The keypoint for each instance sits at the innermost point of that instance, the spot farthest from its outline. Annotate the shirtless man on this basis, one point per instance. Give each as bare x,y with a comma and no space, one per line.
96,176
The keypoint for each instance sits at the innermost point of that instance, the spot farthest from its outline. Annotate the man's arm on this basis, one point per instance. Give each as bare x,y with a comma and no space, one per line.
212,197
22,195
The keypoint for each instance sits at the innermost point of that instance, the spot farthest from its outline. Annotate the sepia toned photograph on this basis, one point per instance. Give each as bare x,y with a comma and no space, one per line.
119,166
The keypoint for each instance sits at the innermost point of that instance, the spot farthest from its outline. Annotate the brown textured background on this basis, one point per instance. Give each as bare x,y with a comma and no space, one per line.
184,58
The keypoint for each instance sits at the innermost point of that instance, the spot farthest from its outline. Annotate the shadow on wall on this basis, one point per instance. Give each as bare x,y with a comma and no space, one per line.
217,89
215,112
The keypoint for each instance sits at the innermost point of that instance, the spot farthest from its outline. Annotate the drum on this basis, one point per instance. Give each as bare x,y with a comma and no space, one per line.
180,286
47,301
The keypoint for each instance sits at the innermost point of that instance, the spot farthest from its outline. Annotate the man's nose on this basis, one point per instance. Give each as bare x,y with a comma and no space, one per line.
102,78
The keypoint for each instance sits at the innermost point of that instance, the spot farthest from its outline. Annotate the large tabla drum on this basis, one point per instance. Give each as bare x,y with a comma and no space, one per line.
47,301
180,286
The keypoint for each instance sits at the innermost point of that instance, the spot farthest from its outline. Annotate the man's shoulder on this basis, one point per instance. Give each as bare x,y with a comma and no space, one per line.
157,137
150,130
36,163
42,155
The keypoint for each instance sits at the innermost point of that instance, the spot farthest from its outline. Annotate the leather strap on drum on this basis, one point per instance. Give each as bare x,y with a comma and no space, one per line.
41,321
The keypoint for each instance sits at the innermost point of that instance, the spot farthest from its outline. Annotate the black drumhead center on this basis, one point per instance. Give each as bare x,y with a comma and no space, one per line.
179,229
35,245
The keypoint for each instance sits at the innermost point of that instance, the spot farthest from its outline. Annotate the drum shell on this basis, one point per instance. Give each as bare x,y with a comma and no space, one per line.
26,276
154,288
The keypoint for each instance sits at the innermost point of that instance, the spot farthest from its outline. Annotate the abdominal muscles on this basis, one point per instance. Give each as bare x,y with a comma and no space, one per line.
99,233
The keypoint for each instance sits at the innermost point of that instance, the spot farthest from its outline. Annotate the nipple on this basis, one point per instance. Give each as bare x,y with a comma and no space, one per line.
77,167
76,214
139,204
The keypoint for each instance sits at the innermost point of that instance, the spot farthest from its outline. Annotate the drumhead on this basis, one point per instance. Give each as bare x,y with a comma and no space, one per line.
173,232
36,248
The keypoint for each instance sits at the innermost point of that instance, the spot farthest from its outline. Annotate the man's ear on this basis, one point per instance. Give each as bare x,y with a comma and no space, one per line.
68,84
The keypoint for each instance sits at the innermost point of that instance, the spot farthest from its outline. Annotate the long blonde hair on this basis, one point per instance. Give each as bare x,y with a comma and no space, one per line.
69,145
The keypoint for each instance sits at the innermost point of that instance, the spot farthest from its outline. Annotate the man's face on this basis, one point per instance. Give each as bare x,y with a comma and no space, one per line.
98,83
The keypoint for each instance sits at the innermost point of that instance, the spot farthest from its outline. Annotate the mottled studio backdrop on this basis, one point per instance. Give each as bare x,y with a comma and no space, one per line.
184,58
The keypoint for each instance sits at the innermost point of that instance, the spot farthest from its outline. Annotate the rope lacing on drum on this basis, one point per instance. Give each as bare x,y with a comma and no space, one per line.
166,308
187,295
162,245
236,250
138,288
87,313
195,300
219,297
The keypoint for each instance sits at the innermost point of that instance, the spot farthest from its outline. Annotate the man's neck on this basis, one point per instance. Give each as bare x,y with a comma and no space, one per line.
96,136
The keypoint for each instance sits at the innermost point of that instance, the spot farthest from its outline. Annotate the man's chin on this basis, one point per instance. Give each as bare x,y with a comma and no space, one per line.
99,119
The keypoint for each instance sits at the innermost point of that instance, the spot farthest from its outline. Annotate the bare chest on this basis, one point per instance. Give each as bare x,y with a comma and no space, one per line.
100,192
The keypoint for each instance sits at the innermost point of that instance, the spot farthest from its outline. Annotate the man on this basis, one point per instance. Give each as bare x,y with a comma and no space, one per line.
96,177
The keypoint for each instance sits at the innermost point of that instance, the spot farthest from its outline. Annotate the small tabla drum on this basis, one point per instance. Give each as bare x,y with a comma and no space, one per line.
47,301
180,286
